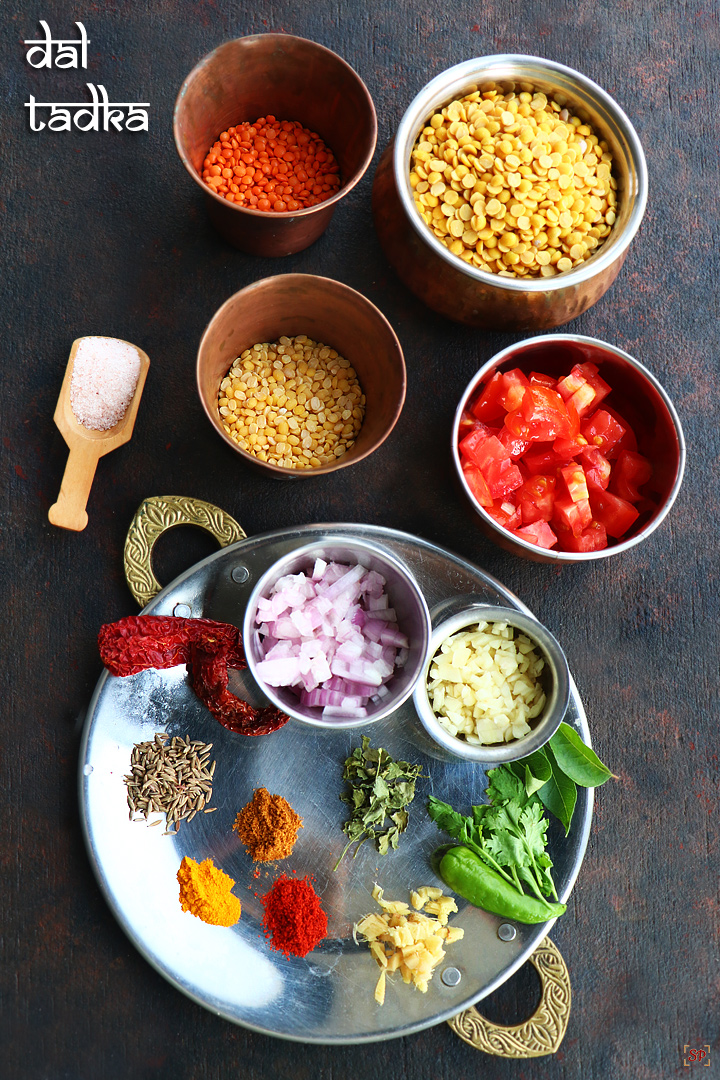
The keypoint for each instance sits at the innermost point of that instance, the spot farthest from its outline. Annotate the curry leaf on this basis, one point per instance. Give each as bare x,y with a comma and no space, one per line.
533,771
576,759
559,794
537,771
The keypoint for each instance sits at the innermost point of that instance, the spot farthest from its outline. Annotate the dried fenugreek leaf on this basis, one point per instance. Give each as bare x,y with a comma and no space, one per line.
379,788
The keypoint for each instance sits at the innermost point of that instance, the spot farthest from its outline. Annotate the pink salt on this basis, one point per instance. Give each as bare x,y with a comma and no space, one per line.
105,374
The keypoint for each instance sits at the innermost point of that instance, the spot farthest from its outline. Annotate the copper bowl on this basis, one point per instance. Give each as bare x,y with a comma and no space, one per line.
326,311
636,394
293,79
464,293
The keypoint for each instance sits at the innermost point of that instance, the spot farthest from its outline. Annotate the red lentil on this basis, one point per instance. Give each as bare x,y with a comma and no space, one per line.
272,165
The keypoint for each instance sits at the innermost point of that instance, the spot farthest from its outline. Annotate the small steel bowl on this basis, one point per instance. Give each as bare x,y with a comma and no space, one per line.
464,293
326,311
636,394
555,679
290,78
405,597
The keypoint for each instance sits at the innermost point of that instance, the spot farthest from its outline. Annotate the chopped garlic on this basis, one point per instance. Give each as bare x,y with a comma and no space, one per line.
484,684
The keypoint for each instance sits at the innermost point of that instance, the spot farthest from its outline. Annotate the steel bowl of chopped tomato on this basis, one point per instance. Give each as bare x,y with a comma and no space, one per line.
568,449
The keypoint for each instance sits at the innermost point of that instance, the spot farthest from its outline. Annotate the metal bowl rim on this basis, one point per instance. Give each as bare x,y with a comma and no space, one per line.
407,132
570,556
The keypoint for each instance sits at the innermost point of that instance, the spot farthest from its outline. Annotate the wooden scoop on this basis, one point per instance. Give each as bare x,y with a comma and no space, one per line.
87,446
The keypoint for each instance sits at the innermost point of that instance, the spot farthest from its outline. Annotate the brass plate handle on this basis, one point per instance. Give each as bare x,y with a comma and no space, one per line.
543,1032
154,517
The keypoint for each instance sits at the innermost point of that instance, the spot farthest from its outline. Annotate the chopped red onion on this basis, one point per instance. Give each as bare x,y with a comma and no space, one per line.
332,637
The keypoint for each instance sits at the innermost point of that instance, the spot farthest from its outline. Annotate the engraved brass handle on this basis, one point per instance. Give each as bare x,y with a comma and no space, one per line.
154,517
543,1032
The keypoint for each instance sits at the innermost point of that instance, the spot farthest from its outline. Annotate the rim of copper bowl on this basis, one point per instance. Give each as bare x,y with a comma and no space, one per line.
341,463
498,66
284,214
550,553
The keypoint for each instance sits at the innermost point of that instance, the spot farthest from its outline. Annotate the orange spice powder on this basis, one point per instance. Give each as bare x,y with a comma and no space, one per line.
268,826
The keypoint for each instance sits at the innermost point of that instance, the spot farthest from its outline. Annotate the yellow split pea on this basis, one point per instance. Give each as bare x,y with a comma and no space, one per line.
513,184
293,403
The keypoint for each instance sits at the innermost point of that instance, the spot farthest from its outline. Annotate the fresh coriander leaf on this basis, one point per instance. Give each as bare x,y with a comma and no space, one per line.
508,849
576,759
504,786
534,824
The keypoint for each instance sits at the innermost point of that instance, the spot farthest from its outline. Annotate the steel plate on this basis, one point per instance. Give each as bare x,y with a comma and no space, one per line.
328,996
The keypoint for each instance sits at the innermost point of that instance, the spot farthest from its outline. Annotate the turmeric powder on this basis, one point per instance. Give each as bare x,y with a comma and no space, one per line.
268,826
205,891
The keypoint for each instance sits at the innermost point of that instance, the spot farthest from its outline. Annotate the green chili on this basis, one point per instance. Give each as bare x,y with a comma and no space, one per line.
466,874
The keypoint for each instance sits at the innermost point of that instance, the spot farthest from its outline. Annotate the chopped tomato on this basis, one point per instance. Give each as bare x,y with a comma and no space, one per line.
505,513
574,516
596,465
502,475
542,459
631,472
549,465
536,499
513,389
574,477
475,437
584,388
502,394
594,538
477,484
537,378
539,532
503,478
628,441
542,416
603,430
570,384
568,449
616,514
514,444
467,423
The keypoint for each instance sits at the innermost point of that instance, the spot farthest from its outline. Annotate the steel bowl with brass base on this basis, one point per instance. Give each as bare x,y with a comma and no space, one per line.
469,295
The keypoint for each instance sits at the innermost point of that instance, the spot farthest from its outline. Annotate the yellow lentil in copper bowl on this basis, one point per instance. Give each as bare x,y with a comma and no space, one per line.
300,376
536,187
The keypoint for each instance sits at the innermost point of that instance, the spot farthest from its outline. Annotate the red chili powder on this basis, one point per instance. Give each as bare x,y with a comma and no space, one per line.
294,919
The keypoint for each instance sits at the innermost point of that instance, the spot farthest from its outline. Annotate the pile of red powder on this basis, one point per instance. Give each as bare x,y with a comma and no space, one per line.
294,920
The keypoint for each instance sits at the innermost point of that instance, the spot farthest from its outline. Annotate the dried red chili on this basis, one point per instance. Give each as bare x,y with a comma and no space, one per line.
138,642
209,675
294,920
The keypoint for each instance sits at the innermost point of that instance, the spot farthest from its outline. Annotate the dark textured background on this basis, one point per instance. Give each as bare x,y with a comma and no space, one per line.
105,234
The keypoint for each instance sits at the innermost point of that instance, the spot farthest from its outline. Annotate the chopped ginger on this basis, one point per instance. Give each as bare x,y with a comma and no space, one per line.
408,941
